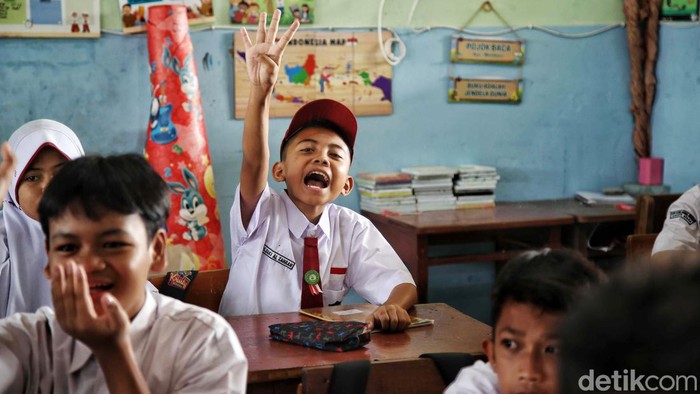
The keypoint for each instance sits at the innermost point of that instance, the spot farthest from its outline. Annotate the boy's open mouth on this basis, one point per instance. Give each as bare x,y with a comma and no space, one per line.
316,179
100,286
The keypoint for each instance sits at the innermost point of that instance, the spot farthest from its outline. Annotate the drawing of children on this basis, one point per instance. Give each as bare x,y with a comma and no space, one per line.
128,19
86,25
241,14
253,13
305,14
74,27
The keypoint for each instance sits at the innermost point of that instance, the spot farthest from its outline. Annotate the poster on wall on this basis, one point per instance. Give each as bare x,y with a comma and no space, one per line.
679,10
134,13
486,90
344,66
470,50
247,12
50,18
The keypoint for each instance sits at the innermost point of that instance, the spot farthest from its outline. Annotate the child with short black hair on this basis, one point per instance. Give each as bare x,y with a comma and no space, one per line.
530,296
636,333
104,220
274,235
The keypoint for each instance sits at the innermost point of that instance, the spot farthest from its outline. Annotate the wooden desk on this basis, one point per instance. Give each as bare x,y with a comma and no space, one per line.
587,218
277,366
511,227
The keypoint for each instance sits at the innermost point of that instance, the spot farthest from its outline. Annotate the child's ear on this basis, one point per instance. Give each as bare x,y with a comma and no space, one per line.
278,171
489,349
347,187
158,248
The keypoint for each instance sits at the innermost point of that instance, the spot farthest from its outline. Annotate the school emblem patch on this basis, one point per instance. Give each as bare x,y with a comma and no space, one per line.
683,215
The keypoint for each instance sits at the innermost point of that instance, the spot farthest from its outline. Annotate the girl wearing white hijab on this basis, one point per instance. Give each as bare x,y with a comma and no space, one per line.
40,148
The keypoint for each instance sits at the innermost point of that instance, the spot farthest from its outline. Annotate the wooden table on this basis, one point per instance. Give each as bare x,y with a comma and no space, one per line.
510,228
277,366
587,218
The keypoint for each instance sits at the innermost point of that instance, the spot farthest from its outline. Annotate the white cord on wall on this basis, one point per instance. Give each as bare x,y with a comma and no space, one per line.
387,48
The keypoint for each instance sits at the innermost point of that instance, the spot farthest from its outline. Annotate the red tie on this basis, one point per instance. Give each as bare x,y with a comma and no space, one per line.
311,293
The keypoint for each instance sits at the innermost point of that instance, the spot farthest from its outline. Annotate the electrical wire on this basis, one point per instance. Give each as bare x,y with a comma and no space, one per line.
387,47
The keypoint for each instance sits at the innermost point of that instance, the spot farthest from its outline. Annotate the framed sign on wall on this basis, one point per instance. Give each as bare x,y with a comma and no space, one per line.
486,90
471,50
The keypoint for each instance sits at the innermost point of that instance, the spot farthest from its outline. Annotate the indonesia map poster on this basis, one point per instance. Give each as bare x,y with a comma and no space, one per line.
344,66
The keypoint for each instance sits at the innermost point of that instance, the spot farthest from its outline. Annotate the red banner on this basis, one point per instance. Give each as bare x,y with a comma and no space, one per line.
177,143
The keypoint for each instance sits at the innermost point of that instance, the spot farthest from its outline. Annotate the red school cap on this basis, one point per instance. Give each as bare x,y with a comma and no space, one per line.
324,110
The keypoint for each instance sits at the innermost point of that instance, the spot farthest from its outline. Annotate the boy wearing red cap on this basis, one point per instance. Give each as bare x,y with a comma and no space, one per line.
297,249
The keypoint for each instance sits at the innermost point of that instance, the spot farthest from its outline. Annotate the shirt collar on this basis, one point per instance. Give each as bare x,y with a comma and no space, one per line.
298,223
140,323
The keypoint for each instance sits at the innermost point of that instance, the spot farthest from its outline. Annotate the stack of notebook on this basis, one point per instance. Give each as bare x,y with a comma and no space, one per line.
475,186
432,187
386,192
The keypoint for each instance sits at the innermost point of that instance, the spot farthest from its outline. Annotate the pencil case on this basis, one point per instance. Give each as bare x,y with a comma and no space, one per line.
323,335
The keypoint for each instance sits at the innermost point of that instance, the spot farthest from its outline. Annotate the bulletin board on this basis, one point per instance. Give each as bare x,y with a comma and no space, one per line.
344,66
134,13
247,12
50,18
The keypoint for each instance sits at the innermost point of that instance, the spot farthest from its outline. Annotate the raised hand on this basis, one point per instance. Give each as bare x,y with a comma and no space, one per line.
6,169
263,58
76,314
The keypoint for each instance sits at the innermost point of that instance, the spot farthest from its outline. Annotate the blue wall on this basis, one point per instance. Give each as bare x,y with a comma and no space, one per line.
571,131
675,133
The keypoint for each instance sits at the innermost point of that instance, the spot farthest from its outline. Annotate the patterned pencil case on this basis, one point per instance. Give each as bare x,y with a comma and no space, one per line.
323,335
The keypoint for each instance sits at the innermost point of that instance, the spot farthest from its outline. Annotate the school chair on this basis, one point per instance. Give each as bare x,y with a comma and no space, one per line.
420,375
651,212
450,363
639,248
206,289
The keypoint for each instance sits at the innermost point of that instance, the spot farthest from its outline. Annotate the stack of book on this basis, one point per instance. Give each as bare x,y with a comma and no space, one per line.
596,198
475,186
432,187
386,192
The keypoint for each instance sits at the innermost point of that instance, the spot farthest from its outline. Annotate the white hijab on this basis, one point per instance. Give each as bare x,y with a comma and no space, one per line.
23,287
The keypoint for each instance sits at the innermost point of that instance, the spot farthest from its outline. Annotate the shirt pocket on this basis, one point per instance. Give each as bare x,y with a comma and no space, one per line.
336,280
333,297
335,290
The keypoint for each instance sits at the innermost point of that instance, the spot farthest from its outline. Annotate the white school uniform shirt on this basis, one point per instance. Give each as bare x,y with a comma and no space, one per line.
267,268
23,286
680,231
180,348
478,378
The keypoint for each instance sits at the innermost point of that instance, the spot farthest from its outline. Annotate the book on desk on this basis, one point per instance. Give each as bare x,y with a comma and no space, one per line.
596,198
354,312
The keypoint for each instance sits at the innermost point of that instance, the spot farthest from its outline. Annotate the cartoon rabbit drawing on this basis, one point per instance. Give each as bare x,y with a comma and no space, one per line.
188,80
193,212
163,129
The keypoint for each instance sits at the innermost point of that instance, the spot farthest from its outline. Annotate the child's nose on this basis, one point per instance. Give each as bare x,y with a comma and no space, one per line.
90,261
322,158
45,181
531,367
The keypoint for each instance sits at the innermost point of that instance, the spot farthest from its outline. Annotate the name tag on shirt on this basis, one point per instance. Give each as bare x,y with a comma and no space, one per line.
684,215
278,258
